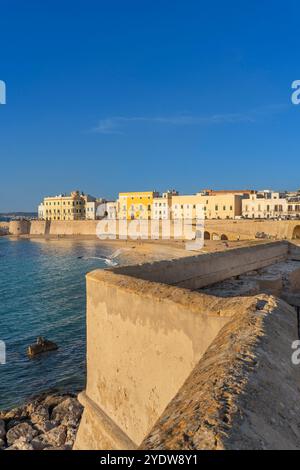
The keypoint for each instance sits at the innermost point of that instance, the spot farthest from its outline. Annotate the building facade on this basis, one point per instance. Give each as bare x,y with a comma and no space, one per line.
136,205
162,205
198,206
64,207
265,205
112,210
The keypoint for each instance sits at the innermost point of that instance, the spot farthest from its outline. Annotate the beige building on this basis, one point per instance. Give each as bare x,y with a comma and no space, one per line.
221,206
64,207
265,205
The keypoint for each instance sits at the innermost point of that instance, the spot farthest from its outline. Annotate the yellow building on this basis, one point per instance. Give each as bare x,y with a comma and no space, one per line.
63,207
136,205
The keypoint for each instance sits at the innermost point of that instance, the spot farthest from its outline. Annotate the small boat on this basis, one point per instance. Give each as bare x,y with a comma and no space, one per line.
41,345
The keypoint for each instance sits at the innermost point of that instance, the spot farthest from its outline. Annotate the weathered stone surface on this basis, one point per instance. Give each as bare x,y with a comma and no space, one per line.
2,429
68,411
38,443
20,430
56,437
45,422
45,426
21,444
15,413
40,414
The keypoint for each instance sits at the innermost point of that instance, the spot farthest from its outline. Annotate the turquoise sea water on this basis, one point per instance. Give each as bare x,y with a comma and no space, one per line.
42,293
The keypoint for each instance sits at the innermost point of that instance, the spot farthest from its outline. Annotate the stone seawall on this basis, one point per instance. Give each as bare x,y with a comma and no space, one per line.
214,229
146,334
198,271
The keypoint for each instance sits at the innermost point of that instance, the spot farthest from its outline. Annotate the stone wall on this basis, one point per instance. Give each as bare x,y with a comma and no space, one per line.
145,336
244,392
4,228
19,227
247,229
214,229
198,271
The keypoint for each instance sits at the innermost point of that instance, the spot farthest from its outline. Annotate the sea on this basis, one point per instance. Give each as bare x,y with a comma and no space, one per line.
42,293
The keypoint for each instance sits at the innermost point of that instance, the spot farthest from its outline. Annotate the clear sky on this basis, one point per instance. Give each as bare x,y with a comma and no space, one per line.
118,95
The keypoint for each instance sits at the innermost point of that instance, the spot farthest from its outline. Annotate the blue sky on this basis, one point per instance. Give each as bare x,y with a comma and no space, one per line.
109,96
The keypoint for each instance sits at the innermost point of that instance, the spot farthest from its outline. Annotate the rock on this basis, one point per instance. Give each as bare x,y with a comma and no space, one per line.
47,422
68,411
53,400
15,413
42,345
45,426
40,414
56,437
21,444
2,429
23,430
38,444
71,436
65,447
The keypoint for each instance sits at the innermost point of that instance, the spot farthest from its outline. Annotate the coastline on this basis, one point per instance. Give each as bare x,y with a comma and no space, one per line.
45,422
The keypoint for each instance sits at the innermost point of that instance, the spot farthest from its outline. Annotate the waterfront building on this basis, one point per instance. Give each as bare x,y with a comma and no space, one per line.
112,210
265,205
219,206
162,205
64,207
95,210
136,205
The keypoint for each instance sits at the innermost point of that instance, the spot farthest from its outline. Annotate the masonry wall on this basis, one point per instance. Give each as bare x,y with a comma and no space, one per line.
143,339
199,271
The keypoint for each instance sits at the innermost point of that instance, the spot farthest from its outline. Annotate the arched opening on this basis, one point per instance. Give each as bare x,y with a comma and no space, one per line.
296,232
224,237
206,236
215,236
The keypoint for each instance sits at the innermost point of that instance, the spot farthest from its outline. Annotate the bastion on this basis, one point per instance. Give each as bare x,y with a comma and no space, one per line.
194,353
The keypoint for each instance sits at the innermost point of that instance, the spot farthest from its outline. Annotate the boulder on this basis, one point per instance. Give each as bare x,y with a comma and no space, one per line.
42,345
56,437
2,429
21,444
53,400
40,414
23,430
15,413
45,426
68,411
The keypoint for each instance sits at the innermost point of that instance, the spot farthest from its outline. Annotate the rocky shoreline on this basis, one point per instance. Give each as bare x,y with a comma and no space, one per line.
47,422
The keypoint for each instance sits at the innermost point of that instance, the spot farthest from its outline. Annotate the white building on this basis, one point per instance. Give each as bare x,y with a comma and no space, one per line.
265,205
162,205
112,209
41,212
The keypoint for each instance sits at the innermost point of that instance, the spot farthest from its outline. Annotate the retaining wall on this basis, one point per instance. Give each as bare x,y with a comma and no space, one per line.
145,336
199,271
